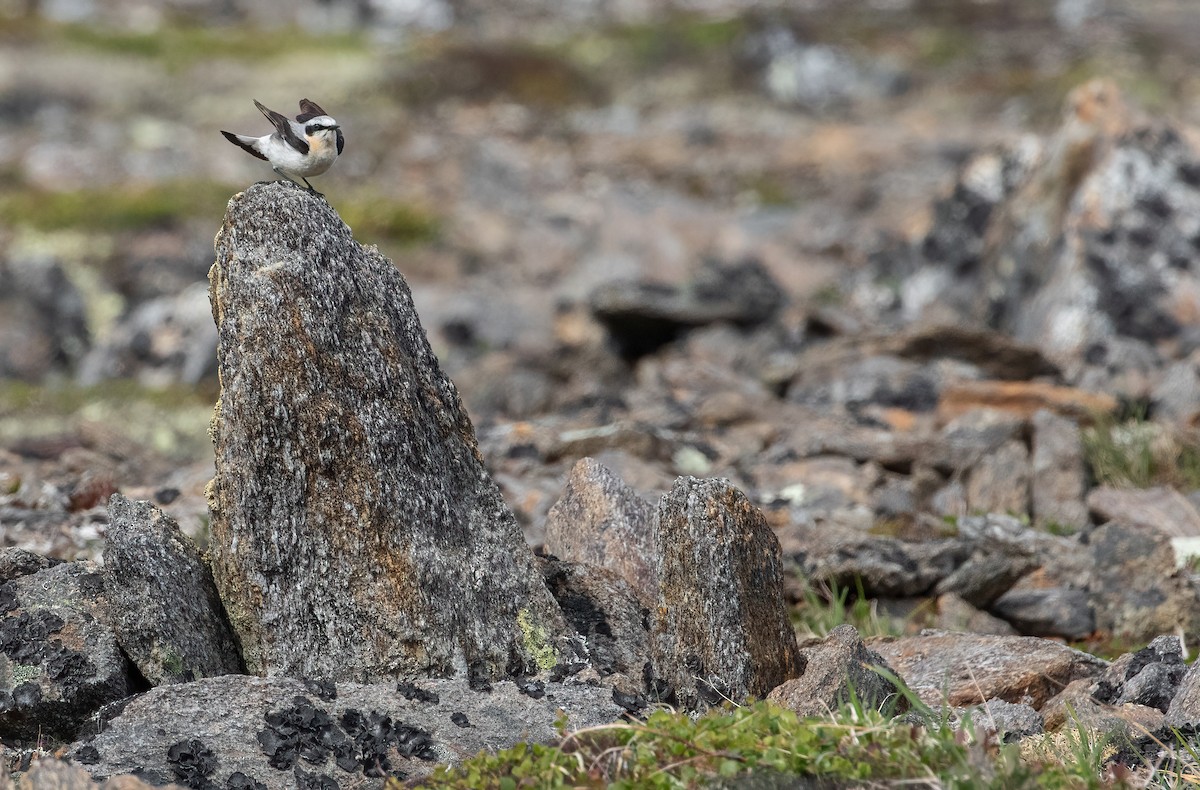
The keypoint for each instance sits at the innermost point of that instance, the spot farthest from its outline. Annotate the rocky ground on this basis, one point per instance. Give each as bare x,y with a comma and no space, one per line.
921,279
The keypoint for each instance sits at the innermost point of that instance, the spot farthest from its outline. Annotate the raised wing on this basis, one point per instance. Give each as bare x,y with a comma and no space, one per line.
308,111
283,128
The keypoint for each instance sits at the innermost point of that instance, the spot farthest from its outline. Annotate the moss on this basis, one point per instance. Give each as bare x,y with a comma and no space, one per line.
374,218
116,208
536,641
177,46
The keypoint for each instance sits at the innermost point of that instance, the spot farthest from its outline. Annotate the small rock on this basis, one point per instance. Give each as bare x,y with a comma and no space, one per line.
835,671
161,598
643,316
1023,398
1059,477
601,521
59,661
721,630
1010,721
1049,612
1137,593
605,610
1162,509
968,669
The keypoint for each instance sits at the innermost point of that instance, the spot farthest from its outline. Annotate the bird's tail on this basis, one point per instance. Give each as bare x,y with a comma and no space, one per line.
245,143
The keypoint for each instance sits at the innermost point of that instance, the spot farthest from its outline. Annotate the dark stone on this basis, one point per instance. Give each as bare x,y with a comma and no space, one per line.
834,672
643,316
1050,612
161,598
348,472
413,692
460,719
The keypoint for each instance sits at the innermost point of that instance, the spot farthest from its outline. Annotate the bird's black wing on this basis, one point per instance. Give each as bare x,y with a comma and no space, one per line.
309,110
283,127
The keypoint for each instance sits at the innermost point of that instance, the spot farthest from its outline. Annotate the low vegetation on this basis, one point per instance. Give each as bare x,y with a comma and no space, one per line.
1138,453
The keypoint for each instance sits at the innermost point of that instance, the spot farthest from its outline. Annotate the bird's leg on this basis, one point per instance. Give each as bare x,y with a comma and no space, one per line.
310,186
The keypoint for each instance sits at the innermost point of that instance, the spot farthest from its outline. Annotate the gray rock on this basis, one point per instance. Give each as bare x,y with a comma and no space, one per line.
602,521
1059,476
1009,721
721,630
16,562
991,569
1051,612
955,614
606,611
886,567
968,669
350,497
833,672
165,340
1175,399
43,319
270,728
1184,710
162,600
643,316
58,661
999,483
1136,591
1161,509
1150,676
1075,707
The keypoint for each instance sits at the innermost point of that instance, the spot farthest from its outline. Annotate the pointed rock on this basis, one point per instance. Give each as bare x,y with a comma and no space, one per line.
721,630
602,521
162,600
356,532
835,671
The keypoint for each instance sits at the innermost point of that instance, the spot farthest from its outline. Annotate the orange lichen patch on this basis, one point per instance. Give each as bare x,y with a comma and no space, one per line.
1023,398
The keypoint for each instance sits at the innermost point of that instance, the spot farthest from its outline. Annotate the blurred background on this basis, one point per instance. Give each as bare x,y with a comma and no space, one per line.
511,157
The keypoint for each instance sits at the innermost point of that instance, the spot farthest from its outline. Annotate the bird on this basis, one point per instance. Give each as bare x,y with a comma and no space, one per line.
301,148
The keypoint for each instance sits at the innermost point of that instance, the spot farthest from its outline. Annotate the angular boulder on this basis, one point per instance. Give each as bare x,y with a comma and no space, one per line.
721,630
58,661
355,530
162,600
602,521
835,671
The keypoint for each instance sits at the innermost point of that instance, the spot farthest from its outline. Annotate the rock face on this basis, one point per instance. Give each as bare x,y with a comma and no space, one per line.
162,601
721,629
356,532
287,733
58,661
602,521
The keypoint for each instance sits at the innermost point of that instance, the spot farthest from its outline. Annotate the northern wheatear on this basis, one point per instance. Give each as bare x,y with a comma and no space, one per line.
301,148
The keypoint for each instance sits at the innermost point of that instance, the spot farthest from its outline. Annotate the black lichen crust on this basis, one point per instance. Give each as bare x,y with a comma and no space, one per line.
361,742
192,763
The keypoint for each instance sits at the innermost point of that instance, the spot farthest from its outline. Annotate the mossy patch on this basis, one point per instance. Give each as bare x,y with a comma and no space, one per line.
117,208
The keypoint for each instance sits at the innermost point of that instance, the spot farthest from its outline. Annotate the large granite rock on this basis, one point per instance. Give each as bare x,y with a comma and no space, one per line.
355,530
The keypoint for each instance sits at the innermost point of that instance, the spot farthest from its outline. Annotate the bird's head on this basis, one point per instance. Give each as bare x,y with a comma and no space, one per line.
321,130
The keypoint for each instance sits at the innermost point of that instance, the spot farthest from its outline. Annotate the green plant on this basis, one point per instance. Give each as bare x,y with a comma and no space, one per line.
1139,453
822,608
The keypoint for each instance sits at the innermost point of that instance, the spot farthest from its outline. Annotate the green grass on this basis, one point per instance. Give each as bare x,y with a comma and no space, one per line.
373,218
116,208
1138,453
176,46
855,747
823,608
